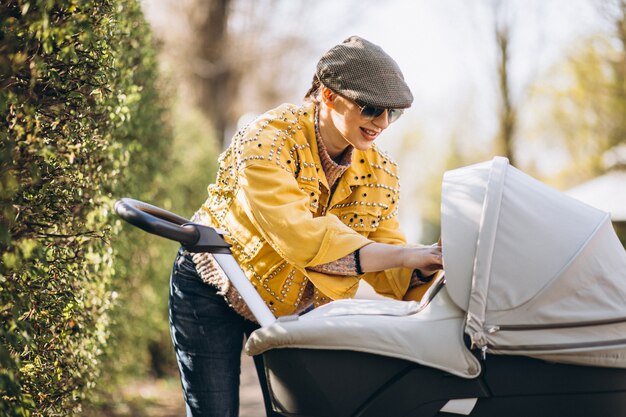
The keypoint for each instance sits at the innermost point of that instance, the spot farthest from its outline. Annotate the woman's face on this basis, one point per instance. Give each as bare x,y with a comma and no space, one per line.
351,128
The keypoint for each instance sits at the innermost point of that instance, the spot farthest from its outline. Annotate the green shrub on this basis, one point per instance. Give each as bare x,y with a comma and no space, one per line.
81,123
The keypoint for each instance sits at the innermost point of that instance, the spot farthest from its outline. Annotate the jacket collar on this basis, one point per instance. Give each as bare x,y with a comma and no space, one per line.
359,173
310,109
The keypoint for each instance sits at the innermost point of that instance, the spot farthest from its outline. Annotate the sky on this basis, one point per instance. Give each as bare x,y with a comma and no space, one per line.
446,51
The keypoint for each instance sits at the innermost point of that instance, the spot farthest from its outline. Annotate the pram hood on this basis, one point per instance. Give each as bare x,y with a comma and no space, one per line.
537,272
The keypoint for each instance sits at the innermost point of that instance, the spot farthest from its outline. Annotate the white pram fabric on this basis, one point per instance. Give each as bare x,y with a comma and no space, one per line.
529,271
539,273
431,336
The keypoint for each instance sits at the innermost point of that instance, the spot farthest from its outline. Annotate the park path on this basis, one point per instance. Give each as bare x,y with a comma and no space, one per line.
251,398
163,398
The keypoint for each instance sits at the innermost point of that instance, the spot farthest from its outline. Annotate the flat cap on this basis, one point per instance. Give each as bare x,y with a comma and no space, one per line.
363,72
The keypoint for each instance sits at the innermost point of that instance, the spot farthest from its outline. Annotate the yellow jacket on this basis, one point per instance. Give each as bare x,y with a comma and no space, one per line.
272,197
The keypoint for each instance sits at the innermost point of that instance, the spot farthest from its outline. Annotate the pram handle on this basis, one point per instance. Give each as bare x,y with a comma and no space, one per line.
195,238
160,222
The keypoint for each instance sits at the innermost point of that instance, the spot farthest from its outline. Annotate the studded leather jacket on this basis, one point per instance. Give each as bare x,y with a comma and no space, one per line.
272,197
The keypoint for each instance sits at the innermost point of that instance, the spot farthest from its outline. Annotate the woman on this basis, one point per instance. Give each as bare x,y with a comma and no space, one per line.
309,204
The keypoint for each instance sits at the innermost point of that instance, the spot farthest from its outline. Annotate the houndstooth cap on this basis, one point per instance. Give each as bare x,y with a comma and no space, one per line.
363,72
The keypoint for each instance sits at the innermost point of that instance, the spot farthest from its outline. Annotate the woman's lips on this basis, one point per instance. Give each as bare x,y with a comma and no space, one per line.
369,134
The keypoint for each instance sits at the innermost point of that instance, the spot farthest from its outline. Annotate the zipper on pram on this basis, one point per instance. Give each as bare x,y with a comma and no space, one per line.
479,341
483,345
491,329
561,346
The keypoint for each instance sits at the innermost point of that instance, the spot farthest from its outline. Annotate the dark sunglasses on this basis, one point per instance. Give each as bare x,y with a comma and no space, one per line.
371,112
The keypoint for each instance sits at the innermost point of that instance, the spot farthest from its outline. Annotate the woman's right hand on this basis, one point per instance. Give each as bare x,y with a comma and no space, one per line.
382,256
428,259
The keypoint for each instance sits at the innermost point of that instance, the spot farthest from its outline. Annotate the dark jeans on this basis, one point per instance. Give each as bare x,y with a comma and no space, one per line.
208,338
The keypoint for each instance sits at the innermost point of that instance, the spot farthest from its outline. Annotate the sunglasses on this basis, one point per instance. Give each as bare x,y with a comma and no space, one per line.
371,113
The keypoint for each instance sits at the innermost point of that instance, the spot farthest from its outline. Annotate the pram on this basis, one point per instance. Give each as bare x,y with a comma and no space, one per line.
529,318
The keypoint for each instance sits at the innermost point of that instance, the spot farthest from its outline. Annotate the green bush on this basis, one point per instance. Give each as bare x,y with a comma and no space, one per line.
81,123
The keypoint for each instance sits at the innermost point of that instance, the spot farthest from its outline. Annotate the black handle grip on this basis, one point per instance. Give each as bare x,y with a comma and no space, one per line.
155,220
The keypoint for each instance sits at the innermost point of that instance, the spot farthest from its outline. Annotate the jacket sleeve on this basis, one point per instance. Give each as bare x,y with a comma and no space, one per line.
393,282
274,202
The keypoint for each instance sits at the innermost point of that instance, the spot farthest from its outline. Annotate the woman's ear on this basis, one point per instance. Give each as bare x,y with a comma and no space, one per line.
328,97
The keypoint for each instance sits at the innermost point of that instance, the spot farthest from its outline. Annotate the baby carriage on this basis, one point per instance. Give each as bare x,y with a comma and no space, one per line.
528,320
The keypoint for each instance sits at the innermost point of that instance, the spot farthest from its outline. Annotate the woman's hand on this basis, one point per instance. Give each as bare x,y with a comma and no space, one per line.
427,259
382,256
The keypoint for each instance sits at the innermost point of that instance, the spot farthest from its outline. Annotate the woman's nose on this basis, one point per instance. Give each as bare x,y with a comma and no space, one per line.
382,121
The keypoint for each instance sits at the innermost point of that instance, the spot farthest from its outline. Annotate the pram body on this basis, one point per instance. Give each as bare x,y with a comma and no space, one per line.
529,320
345,383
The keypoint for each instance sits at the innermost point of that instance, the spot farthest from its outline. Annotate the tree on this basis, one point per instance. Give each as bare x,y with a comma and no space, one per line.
214,73
615,14
507,115
510,28
230,57
585,98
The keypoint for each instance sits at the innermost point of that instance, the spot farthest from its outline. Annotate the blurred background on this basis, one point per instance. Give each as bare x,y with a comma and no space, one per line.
542,82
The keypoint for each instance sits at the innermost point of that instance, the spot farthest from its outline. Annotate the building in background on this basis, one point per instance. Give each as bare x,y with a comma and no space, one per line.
608,192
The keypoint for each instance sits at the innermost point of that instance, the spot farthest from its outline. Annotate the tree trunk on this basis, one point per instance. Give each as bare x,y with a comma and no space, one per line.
215,79
508,113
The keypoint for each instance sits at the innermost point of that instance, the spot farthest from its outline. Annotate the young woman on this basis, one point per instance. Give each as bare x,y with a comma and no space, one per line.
310,205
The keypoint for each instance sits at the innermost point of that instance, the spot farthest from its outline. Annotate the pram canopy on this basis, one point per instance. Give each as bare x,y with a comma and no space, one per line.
529,271
538,272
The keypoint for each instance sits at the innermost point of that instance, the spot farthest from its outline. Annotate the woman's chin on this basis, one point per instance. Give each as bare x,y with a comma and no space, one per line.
363,145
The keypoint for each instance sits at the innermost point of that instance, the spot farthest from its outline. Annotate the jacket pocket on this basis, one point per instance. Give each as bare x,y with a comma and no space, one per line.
361,219
243,235
313,194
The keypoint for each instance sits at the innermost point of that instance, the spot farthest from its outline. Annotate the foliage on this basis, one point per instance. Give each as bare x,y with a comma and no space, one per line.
584,98
80,118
